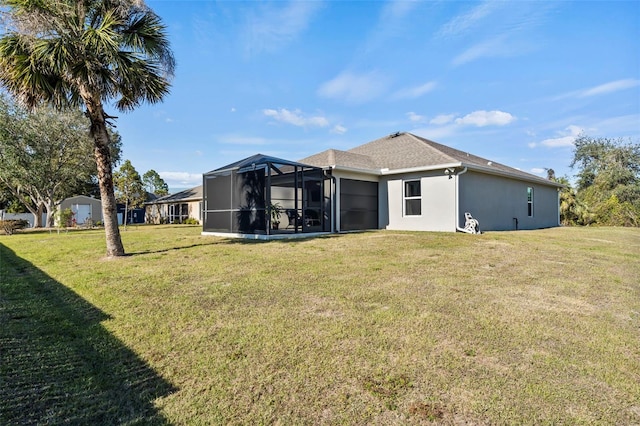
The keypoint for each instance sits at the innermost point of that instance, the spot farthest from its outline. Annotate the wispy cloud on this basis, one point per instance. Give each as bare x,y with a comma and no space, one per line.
416,118
610,87
271,28
339,129
464,22
565,138
442,119
447,125
486,118
602,89
398,9
354,88
500,46
416,91
497,29
181,179
296,118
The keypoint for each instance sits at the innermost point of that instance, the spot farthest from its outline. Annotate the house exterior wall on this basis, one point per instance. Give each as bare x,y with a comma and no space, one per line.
437,200
496,202
493,200
158,213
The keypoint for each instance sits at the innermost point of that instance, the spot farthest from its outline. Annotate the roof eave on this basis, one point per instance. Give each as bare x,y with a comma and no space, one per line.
420,169
492,171
375,172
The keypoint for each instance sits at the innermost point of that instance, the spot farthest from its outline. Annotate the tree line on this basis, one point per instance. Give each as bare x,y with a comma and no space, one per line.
607,186
47,156
84,55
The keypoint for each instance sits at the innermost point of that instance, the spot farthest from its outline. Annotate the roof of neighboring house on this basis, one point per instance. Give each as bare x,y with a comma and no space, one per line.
401,151
192,194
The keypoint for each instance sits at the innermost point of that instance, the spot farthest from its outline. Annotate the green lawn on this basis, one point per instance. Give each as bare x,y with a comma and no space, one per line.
527,327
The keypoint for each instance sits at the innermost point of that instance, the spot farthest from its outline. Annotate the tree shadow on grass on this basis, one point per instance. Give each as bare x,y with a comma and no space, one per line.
58,364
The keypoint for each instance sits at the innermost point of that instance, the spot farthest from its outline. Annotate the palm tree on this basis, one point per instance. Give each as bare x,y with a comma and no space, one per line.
86,53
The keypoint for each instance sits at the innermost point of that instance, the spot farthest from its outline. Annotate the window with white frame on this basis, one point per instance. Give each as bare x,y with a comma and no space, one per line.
412,198
530,201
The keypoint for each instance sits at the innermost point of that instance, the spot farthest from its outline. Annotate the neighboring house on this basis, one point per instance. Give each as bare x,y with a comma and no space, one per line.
83,208
400,182
175,208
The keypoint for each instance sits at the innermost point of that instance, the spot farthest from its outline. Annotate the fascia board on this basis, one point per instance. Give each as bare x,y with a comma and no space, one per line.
491,171
420,169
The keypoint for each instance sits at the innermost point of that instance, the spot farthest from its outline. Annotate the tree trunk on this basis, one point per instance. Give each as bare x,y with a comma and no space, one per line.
105,175
37,212
37,217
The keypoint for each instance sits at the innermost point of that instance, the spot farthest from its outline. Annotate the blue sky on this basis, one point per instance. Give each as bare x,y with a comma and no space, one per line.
514,82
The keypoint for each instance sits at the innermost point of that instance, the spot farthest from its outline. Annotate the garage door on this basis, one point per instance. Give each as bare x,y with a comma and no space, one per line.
82,212
358,205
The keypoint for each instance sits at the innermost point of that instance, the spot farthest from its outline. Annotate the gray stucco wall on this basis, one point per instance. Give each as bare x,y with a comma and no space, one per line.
437,202
495,201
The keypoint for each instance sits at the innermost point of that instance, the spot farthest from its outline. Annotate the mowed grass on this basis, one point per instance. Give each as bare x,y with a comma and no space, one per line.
527,327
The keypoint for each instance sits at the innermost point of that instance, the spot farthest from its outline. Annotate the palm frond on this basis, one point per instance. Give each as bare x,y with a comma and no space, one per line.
106,49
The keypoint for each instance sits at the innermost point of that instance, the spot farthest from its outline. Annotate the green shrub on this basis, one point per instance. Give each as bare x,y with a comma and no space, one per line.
190,221
13,225
64,218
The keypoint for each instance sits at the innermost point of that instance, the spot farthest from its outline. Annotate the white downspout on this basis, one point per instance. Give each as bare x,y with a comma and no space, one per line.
458,198
559,224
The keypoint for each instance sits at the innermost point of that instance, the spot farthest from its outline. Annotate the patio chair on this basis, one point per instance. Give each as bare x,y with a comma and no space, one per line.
294,218
311,217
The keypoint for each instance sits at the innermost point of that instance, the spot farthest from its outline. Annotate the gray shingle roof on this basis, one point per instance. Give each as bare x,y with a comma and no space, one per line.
343,158
191,194
405,151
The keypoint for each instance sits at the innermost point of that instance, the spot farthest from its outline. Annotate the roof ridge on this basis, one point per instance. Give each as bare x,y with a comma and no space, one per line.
431,144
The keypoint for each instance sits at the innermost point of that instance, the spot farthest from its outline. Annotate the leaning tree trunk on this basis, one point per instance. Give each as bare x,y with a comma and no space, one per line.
105,177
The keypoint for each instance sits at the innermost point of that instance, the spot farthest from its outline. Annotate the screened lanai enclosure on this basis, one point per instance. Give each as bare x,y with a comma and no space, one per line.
264,195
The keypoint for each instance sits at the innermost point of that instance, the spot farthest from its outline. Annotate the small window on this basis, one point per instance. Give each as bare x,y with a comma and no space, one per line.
412,198
530,202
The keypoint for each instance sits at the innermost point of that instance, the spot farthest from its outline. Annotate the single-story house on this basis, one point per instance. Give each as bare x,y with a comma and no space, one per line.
399,182
175,208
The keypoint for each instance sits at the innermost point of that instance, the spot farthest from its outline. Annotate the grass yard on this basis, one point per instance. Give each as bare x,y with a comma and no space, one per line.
528,327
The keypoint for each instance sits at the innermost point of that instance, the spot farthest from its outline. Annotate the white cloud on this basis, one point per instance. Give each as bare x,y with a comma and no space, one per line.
602,89
397,9
354,88
415,92
276,27
442,119
566,138
489,48
181,179
538,170
416,118
296,118
338,129
463,22
486,118
610,87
